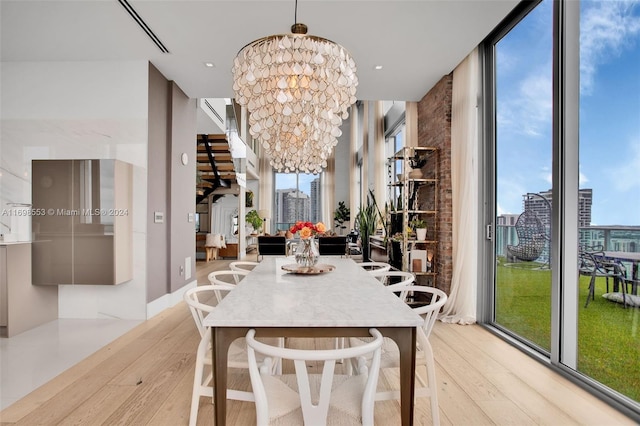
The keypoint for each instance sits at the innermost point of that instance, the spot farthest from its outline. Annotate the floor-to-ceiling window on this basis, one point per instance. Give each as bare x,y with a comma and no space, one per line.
297,196
609,199
523,69
394,142
563,115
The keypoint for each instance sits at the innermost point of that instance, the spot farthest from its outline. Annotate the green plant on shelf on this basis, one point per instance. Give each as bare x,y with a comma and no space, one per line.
418,223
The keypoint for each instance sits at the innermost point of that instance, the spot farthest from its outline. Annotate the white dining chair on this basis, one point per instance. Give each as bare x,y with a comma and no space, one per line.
395,281
243,265
226,278
289,398
199,300
381,271
373,267
427,386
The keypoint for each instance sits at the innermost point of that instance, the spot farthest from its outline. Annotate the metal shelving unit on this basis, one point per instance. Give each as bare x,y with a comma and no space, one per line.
415,196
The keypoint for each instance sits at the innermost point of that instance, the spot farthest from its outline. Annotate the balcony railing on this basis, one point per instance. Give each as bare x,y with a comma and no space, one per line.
612,238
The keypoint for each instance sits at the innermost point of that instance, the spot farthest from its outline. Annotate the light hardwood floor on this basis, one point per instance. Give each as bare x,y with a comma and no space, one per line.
145,378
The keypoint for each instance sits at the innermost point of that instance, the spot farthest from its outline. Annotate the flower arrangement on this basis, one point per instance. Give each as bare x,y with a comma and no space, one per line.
308,229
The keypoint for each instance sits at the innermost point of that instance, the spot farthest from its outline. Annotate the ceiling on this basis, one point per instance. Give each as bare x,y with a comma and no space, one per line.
416,42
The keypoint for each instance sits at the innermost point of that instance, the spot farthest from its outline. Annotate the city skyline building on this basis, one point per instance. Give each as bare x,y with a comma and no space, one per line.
507,219
540,203
315,201
279,204
292,205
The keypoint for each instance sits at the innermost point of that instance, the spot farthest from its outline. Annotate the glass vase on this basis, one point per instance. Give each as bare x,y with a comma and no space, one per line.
307,253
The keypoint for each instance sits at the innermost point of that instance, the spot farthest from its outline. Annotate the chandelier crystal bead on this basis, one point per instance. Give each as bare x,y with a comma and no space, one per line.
297,89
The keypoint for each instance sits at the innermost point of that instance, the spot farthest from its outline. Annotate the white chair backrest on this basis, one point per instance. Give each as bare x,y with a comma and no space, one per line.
199,301
429,311
375,267
312,414
401,280
226,277
243,265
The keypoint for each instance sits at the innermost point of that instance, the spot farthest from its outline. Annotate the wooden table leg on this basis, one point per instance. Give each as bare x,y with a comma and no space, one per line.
222,337
405,338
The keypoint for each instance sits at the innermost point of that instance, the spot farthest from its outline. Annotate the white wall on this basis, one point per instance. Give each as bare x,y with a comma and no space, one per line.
79,110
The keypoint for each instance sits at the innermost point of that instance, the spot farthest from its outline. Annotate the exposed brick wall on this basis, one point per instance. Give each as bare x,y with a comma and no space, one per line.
434,130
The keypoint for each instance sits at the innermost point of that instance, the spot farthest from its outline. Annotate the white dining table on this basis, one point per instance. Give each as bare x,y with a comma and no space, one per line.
345,302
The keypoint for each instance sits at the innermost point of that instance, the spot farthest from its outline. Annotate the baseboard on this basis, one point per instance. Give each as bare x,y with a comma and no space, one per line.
168,300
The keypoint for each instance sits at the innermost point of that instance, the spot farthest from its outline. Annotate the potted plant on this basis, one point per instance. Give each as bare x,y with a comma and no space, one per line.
341,215
254,220
420,227
366,223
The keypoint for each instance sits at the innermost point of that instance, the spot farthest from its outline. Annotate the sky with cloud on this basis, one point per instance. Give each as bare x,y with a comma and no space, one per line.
609,109
288,180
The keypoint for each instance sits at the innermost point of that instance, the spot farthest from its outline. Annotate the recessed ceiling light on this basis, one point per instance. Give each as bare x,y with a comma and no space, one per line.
377,67
209,65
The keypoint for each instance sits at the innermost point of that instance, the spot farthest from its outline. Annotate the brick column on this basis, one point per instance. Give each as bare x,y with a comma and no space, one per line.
434,130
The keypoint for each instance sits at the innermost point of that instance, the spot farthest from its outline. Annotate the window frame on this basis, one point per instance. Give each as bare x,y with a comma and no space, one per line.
565,187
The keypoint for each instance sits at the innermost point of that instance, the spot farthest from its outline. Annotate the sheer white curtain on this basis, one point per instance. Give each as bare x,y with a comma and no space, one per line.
265,188
411,124
364,182
354,188
329,191
379,155
461,305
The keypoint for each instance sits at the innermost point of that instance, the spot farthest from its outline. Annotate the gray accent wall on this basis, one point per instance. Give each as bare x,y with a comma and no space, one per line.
183,190
171,189
157,189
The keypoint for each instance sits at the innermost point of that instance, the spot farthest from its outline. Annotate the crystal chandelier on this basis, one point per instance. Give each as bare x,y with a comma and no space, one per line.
297,89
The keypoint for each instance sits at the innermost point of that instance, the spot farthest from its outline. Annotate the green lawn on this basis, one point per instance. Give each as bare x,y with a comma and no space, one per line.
608,334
